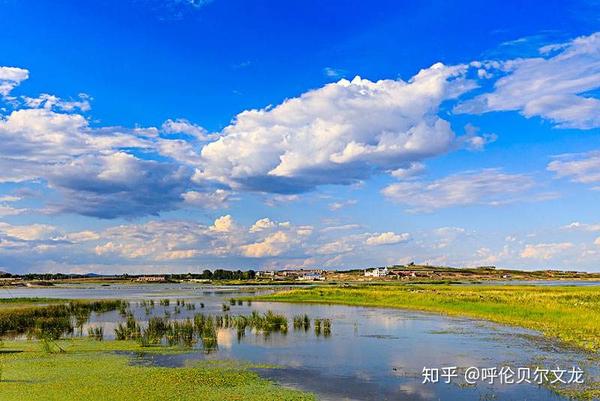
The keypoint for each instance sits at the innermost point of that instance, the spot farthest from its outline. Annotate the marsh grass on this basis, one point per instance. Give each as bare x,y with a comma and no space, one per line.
201,329
317,327
31,300
301,322
147,305
326,327
51,322
129,330
96,333
322,326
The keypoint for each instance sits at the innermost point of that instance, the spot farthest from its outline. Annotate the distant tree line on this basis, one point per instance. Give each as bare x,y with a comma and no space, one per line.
48,276
218,274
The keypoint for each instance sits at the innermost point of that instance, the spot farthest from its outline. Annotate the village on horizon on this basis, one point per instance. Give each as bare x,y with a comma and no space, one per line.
410,272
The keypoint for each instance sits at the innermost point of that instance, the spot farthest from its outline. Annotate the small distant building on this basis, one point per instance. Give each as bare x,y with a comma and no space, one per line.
311,276
199,280
151,279
377,272
264,273
404,273
297,273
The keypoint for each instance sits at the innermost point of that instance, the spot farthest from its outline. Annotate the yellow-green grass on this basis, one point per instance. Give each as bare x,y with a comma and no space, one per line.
88,370
29,300
568,314
8,304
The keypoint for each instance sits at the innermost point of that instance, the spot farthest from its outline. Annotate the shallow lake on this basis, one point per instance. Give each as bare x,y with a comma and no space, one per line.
371,354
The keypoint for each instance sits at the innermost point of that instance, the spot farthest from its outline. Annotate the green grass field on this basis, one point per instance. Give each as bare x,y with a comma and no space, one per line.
568,314
88,370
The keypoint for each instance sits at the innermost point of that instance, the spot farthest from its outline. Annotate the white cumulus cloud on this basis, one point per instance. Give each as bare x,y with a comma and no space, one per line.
387,238
10,77
337,134
554,86
273,245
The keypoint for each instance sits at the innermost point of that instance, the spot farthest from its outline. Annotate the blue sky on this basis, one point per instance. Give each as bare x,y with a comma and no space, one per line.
153,136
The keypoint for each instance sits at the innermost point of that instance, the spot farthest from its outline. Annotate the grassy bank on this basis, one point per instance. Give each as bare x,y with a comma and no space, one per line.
569,314
88,370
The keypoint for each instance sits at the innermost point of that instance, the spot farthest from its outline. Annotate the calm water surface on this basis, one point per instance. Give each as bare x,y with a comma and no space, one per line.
551,283
372,353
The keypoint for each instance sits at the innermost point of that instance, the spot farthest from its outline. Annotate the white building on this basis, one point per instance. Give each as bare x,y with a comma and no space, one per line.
312,276
377,272
152,279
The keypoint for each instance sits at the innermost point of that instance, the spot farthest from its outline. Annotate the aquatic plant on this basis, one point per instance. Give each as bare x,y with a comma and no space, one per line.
157,328
53,328
240,333
317,327
226,308
85,374
326,327
130,330
96,333
164,302
301,322
199,321
204,326
25,320
80,319
265,323
180,333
